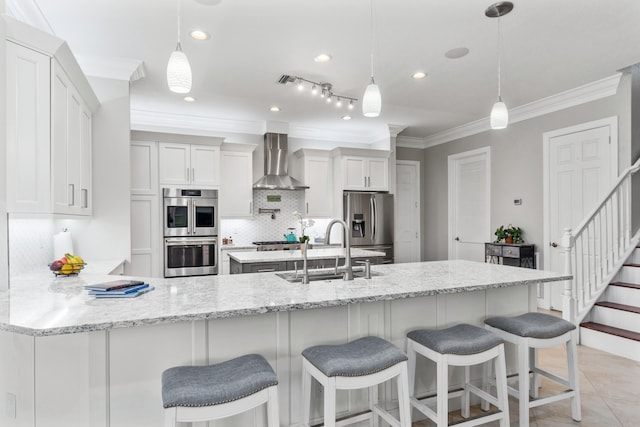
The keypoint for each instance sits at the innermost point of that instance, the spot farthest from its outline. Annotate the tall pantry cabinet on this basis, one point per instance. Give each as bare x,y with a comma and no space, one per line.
49,118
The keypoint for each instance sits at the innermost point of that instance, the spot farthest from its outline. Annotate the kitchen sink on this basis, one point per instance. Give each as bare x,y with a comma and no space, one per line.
315,275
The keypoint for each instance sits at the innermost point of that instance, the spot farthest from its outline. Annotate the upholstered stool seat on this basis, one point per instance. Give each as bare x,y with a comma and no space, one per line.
202,393
460,345
366,362
529,332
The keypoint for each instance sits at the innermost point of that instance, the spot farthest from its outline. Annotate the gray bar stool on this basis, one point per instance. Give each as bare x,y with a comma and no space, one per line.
366,362
460,345
532,331
203,393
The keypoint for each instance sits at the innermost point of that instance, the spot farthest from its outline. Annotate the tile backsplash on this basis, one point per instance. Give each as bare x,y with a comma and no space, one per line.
30,244
262,227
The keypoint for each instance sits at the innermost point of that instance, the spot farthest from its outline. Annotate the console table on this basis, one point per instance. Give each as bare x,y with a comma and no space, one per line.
518,255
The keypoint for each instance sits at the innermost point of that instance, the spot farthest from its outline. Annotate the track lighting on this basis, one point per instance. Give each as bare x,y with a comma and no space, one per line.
323,88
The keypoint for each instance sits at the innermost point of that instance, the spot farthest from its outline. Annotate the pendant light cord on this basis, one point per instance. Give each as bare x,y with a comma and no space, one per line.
499,60
371,27
179,24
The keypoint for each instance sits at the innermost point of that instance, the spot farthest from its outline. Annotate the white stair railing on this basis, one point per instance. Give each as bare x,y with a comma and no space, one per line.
596,249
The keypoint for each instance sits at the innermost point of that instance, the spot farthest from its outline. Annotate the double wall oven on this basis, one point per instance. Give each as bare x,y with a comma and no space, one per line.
190,232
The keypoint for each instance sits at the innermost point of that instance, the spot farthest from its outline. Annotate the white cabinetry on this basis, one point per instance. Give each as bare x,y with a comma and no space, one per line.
48,136
189,165
236,181
365,173
146,251
315,171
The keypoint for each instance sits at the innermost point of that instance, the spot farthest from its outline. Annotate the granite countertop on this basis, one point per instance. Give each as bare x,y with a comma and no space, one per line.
296,255
39,305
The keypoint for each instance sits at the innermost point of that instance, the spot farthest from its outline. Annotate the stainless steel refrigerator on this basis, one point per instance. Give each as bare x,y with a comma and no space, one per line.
370,220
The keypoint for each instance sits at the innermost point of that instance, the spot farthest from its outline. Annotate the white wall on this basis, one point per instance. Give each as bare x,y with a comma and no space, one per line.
4,241
107,234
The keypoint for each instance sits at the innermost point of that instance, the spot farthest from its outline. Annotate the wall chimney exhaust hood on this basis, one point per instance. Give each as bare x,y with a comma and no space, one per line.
275,165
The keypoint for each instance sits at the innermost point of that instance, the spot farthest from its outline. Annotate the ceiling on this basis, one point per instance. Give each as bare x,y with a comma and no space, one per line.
548,47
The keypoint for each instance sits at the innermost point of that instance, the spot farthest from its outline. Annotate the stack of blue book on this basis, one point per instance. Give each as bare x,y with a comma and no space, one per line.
119,289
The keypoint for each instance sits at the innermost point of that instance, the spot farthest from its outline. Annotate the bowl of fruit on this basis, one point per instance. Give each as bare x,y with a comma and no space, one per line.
67,265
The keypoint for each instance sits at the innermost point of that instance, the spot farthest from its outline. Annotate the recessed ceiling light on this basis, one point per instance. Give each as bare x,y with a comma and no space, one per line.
323,57
419,75
346,117
456,53
274,109
189,98
199,35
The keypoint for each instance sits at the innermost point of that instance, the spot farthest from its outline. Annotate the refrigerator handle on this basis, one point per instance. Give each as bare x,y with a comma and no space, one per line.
372,201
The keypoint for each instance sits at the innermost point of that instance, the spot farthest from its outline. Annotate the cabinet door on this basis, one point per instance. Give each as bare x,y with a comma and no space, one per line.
144,167
174,163
236,186
354,174
319,195
205,165
378,175
145,236
28,126
74,143
60,97
85,161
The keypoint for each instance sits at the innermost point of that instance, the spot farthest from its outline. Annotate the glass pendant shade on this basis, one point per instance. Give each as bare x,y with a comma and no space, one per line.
372,100
179,72
499,115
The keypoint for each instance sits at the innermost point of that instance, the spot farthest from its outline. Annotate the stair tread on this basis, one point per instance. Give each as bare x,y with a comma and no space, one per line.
631,264
618,306
623,333
626,285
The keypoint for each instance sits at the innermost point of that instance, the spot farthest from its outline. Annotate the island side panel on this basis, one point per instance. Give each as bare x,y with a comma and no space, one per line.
17,377
138,356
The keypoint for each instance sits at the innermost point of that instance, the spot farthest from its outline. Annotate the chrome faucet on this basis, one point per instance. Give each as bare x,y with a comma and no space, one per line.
348,271
305,269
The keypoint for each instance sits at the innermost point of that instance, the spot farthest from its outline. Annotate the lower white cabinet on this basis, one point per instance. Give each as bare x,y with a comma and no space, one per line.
236,181
146,259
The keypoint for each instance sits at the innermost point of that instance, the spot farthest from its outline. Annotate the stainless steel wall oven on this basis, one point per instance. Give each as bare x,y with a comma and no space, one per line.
190,232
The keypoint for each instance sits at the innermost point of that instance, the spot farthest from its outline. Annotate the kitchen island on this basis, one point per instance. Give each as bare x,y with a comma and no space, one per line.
72,360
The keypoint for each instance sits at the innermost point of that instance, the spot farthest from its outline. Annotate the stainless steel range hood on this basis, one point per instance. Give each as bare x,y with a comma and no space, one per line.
275,165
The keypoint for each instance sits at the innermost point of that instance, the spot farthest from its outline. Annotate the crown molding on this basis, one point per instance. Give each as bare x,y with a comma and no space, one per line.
318,134
156,121
570,98
112,68
410,142
394,130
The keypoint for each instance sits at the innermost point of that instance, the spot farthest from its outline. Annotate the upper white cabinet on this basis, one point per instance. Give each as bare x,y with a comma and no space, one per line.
365,173
70,146
49,119
189,165
236,181
315,170
144,167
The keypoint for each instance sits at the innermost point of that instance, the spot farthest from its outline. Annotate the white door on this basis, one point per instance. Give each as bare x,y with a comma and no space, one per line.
407,235
469,204
581,164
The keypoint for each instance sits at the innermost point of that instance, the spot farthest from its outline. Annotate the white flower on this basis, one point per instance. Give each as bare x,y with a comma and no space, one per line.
304,223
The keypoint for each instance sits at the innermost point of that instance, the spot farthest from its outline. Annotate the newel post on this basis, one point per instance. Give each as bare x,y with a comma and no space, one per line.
568,299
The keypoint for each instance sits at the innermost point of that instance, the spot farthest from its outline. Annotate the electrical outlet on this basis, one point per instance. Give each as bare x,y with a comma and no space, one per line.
517,202
11,405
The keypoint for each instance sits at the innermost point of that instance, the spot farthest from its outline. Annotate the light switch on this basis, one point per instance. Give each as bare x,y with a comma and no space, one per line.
517,202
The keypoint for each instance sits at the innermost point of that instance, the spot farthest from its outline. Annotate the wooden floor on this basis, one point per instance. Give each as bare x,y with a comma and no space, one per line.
610,392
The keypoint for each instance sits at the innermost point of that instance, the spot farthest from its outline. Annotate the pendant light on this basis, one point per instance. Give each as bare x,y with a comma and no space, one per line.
499,118
372,100
178,68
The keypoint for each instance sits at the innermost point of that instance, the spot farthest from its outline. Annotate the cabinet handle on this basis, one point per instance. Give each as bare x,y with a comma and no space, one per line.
365,181
307,207
193,174
71,195
85,197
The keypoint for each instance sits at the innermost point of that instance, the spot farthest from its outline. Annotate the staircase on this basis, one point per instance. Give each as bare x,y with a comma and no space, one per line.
613,324
603,256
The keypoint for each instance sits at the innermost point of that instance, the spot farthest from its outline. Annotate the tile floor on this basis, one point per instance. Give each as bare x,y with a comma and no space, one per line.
610,392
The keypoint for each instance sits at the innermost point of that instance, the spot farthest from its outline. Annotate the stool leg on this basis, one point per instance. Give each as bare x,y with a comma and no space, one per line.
464,401
170,417
523,382
486,384
572,360
442,377
411,355
330,403
535,378
404,406
373,401
501,386
272,408
306,396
